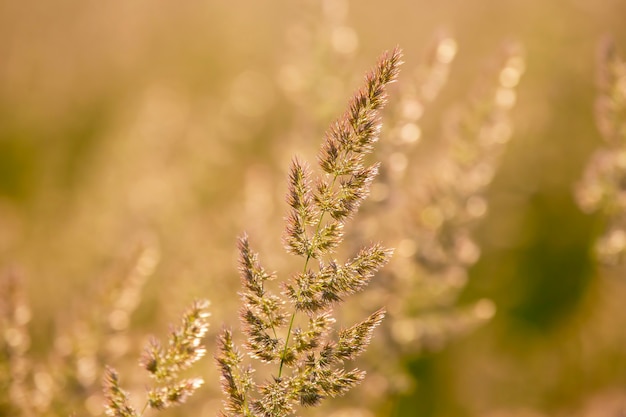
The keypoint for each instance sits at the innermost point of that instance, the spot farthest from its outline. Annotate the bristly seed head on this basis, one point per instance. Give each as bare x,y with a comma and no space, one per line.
314,229
117,400
164,365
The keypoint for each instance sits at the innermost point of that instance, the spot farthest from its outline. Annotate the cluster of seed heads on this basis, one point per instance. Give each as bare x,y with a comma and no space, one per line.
310,363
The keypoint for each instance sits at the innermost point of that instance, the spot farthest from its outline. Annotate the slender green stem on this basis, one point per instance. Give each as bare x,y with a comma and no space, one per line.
143,410
306,264
282,358
267,312
293,315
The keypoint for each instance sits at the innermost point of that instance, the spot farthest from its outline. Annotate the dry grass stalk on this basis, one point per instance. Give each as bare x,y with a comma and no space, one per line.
602,186
440,209
16,395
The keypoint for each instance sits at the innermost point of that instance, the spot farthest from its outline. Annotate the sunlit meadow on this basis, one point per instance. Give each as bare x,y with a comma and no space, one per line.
154,155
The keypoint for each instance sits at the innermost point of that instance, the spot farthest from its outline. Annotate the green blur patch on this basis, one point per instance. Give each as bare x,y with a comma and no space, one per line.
556,268
18,164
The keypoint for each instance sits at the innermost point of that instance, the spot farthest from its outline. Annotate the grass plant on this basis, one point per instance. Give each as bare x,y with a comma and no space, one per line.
309,361
164,363
602,187
306,332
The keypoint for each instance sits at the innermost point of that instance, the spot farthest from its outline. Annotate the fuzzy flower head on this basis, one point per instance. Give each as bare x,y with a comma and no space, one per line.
310,363
164,364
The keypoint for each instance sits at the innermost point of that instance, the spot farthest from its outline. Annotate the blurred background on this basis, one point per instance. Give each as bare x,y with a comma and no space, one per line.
139,139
